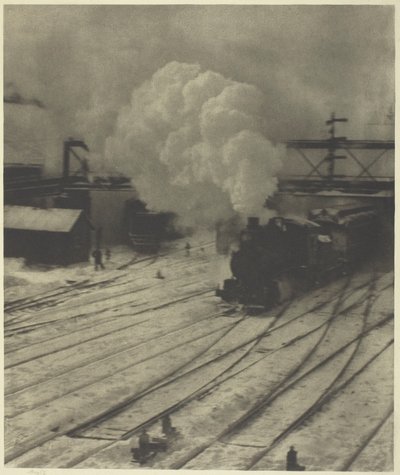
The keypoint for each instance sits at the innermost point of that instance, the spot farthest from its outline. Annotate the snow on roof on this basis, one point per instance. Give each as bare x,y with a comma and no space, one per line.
56,220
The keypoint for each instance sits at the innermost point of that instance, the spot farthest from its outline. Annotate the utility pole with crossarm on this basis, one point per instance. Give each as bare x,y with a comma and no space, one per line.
333,145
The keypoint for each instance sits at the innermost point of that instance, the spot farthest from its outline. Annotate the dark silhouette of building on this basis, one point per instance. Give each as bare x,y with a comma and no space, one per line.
49,236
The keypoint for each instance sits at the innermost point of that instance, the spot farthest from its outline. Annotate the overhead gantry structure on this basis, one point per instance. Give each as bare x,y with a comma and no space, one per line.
69,145
317,179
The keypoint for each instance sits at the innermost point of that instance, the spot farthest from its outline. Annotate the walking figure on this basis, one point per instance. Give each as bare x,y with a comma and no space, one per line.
291,461
148,447
98,261
187,247
166,425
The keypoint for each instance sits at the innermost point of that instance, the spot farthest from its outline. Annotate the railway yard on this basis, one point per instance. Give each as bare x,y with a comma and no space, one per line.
92,360
199,236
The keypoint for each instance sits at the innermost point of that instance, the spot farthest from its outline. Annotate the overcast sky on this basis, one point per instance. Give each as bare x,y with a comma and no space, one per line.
83,62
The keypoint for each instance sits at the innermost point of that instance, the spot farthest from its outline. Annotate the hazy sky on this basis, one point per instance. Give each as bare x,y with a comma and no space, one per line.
83,62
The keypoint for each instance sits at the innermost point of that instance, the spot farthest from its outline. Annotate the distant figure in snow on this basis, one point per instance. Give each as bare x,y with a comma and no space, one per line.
166,425
187,247
291,461
144,442
133,446
98,259
159,275
108,254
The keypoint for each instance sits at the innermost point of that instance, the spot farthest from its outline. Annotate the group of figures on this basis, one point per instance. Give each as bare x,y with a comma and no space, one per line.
98,258
150,446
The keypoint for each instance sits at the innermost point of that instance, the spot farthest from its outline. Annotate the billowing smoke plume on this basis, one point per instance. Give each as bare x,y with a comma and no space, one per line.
193,142
83,61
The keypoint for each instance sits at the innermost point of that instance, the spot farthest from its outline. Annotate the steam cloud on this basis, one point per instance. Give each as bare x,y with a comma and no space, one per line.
193,142
83,61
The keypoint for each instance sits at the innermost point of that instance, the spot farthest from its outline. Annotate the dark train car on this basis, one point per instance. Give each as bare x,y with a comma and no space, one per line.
354,230
289,255
147,230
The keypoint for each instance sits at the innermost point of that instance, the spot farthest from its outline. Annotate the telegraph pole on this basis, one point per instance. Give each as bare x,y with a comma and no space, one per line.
333,143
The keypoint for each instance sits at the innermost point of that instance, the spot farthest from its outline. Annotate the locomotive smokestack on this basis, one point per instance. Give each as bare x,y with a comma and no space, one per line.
253,221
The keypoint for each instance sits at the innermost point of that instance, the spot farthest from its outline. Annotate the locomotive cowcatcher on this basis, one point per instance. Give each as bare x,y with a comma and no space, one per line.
289,255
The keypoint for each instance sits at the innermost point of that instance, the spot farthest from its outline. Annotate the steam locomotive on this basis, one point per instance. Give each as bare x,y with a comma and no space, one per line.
286,256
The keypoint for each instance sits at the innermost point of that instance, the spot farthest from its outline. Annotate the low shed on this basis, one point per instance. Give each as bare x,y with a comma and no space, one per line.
50,236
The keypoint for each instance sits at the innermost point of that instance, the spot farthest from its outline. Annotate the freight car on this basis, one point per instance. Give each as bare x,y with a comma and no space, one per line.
147,230
290,255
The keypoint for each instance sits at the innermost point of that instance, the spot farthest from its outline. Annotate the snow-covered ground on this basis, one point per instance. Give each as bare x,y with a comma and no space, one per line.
90,357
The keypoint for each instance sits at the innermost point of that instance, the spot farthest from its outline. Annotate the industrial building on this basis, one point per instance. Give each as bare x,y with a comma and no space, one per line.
49,236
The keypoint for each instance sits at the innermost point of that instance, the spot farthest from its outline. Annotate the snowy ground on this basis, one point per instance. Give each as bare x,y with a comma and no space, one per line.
91,357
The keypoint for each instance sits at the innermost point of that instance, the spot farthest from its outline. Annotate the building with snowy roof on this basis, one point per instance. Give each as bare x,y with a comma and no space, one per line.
50,236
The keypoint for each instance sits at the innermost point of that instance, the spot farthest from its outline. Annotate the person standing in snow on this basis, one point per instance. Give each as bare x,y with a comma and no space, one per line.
98,259
166,425
187,247
133,447
144,443
291,461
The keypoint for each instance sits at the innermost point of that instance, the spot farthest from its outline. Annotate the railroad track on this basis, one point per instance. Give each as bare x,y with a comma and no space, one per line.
35,301
37,313
261,404
48,435
107,443
84,382
252,342
239,424
293,340
195,394
346,466
315,408
30,358
21,326
129,298
331,390
46,300
31,342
